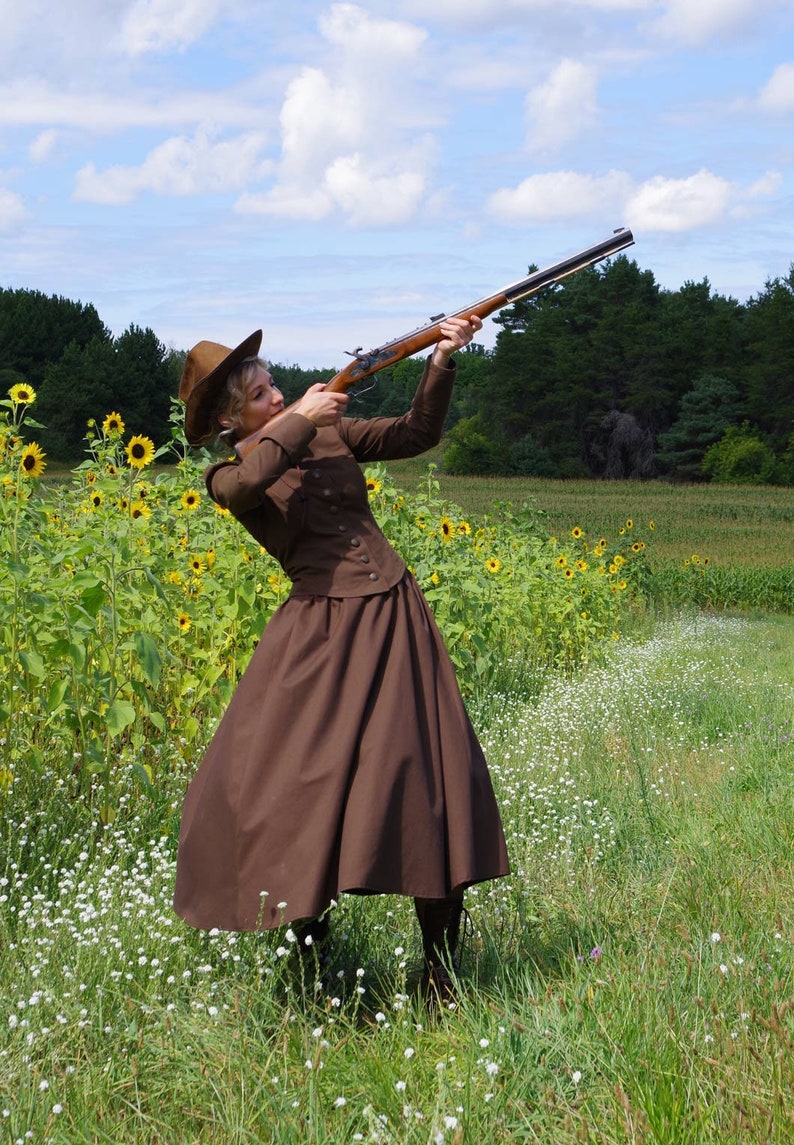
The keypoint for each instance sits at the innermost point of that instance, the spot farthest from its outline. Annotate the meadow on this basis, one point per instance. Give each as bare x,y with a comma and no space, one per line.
631,981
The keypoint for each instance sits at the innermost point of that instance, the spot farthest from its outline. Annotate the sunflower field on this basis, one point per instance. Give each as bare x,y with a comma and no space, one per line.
131,603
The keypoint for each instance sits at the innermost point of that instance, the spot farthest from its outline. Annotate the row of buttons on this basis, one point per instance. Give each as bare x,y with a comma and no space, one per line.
355,543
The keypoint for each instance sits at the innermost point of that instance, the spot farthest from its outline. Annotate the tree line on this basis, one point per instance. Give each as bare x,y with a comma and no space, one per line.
607,375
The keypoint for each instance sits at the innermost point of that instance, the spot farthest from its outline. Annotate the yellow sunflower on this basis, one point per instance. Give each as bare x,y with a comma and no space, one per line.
183,620
373,486
190,500
435,578
139,509
96,499
493,564
139,451
197,564
447,528
568,574
464,528
561,561
113,426
22,395
576,532
31,461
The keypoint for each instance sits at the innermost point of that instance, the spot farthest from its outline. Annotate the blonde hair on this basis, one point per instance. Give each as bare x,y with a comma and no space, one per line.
233,396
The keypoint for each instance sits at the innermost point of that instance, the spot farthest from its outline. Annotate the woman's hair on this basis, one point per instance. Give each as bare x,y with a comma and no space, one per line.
233,395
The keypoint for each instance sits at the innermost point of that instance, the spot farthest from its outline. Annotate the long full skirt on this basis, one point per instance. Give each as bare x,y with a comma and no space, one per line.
345,761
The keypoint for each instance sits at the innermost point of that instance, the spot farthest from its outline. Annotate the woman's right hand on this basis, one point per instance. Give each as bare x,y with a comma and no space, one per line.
321,406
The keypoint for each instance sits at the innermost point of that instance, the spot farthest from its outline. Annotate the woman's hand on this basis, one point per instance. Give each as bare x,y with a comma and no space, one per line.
321,406
455,334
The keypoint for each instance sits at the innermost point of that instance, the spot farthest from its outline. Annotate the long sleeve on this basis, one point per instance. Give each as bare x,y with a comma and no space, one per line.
386,438
241,485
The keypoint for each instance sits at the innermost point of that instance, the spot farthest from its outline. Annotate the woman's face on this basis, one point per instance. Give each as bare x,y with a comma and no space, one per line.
263,401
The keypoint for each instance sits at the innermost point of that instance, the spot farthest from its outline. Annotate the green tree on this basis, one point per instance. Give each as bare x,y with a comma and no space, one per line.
706,411
769,329
740,457
36,328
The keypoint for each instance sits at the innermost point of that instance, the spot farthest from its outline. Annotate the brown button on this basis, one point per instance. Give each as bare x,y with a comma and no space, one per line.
316,474
327,492
355,542
374,576
364,559
341,528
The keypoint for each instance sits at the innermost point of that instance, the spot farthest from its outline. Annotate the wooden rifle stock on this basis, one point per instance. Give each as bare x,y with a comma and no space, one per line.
364,364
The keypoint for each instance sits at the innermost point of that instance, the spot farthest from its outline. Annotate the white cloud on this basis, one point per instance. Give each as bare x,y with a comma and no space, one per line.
353,134
179,166
778,93
560,195
562,107
491,10
658,204
41,147
163,25
12,209
38,103
696,21
662,204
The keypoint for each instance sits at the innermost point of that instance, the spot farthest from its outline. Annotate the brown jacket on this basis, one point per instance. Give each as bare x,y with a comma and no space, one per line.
302,495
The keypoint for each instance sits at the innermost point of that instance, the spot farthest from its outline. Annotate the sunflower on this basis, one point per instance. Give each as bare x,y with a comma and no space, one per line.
629,523
464,528
373,486
493,564
174,577
96,499
435,578
22,395
139,451
582,566
210,558
139,509
111,470
220,510
113,426
197,564
32,461
183,621
651,525
576,532
561,561
190,500
569,573
447,528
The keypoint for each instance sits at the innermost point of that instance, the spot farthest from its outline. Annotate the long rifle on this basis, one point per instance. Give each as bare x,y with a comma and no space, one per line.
364,364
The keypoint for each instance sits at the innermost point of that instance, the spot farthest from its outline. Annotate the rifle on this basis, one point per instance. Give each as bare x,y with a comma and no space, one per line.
364,364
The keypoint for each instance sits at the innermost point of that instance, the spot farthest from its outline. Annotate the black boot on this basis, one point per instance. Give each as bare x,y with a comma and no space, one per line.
439,922
312,947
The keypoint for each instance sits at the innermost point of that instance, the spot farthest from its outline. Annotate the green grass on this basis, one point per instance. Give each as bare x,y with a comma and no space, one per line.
734,525
632,981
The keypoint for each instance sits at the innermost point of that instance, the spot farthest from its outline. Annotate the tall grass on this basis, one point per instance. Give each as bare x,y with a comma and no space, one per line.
632,981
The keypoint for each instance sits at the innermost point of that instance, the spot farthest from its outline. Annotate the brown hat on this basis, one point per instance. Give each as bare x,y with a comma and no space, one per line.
207,366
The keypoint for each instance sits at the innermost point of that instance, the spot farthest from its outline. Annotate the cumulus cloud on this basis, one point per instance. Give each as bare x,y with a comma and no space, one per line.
163,25
778,92
662,204
657,204
560,195
179,166
563,106
352,136
12,209
42,146
696,21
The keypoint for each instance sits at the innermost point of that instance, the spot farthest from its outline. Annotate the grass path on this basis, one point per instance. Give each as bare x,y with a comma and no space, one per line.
632,981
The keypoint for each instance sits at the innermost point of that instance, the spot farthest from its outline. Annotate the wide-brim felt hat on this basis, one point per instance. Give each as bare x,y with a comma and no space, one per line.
207,366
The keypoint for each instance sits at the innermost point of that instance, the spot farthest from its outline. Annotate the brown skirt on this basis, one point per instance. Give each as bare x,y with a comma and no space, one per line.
345,762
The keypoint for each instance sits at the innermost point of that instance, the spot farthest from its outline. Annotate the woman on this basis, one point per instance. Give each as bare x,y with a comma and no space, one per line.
345,761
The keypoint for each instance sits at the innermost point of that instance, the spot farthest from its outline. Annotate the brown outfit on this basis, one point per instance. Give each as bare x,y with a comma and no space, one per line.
345,760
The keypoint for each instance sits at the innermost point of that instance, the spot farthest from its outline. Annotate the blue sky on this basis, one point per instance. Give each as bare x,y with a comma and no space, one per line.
337,172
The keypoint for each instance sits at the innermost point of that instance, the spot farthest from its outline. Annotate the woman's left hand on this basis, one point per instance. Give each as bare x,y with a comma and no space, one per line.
455,334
